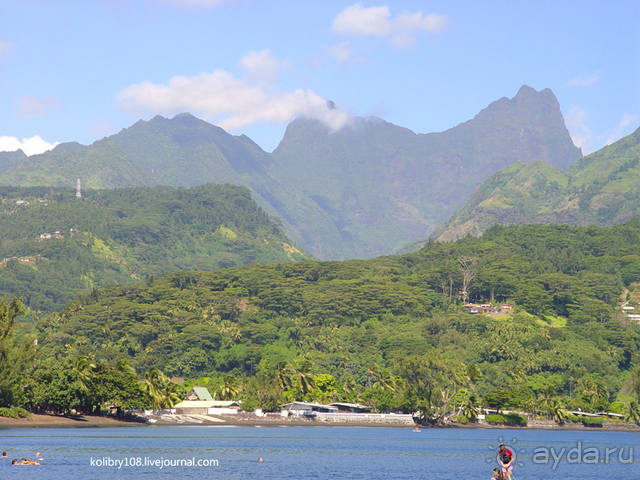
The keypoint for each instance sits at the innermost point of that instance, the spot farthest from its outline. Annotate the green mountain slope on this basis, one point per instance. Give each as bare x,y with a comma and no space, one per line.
54,246
603,188
389,317
362,191
384,185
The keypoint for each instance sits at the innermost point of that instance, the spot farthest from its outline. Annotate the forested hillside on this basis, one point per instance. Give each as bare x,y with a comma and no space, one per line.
390,330
602,188
54,246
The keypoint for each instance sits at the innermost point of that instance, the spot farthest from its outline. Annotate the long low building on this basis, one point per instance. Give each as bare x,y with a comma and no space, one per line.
305,408
207,407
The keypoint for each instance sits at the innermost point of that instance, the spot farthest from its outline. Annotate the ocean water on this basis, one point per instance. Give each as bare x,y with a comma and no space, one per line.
315,452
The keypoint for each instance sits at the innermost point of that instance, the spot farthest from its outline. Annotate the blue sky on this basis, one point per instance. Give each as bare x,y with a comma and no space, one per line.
80,70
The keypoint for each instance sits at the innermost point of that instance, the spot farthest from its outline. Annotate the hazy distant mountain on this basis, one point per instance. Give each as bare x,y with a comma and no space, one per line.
384,185
359,192
11,160
602,189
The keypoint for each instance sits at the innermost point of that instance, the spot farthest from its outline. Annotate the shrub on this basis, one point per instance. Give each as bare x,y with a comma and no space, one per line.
573,418
15,412
461,419
592,422
507,419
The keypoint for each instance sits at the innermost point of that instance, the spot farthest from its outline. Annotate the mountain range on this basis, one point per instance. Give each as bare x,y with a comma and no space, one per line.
361,191
602,188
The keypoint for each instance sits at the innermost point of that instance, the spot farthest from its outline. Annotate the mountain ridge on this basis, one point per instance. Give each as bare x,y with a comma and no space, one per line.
602,188
361,191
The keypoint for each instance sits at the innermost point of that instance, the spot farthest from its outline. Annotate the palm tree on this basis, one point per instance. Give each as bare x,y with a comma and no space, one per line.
633,413
468,409
125,367
531,406
635,383
229,389
595,390
84,367
304,378
373,373
385,381
284,376
158,387
556,411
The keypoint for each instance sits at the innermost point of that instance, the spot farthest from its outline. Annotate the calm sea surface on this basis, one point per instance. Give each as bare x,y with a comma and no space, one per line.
316,452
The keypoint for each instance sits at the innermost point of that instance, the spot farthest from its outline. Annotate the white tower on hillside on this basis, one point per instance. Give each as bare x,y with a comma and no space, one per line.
78,189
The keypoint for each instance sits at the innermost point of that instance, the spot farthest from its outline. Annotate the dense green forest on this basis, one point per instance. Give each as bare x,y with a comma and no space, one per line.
55,246
389,331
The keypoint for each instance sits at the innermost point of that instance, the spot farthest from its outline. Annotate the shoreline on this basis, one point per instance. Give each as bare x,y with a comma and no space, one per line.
37,420
89,421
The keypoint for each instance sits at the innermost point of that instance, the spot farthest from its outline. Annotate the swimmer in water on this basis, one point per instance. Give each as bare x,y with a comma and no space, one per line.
497,474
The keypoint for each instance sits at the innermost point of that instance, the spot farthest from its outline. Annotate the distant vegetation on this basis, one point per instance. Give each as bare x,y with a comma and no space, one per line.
600,189
54,246
390,331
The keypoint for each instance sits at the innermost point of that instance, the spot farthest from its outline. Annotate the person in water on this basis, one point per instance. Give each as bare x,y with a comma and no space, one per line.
4,454
23,461
497,474
505,457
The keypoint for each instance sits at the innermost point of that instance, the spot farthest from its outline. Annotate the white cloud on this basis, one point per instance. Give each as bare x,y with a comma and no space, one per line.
262,66
30,105
30,146
576,121
584,81
231,102
200,3
621,128
341,52
359,20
